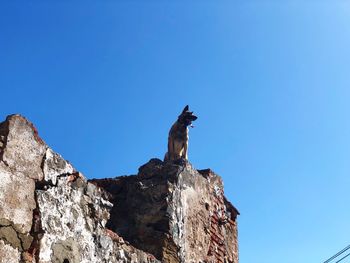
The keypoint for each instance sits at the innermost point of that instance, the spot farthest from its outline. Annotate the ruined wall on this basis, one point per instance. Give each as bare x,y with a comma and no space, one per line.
49,212
174,212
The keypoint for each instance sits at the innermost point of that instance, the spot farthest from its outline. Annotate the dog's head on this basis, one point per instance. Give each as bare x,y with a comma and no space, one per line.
186,117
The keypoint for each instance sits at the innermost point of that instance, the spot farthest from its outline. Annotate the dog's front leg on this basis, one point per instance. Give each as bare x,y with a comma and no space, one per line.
184,152
185,147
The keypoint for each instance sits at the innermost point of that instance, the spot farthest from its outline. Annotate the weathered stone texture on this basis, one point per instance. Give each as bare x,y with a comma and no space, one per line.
54,165
20,160
23,150
16,198
174,212
8,254
73,218
49,212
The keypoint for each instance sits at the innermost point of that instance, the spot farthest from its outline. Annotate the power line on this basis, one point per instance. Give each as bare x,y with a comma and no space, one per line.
343,258
338,254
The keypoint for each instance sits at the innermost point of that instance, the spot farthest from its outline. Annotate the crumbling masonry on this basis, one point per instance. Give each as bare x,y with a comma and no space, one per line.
49,212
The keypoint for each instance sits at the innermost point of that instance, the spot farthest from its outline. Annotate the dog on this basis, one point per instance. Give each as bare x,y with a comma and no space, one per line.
178,136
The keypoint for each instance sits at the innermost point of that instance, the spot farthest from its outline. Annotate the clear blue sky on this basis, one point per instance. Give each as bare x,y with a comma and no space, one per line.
269,80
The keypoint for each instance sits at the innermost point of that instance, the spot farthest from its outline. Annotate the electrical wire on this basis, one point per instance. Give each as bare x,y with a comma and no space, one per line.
337,254
343,258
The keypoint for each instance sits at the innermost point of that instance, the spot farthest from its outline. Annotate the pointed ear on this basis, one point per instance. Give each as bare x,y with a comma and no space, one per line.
185,109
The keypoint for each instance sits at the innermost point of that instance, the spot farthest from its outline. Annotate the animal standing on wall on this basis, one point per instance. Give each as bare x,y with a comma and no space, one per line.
178,136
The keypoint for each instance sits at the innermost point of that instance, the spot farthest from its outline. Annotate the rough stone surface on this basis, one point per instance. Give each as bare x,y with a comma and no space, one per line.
73,218
49,212
22,150
174,212
21,154
8,254
54,165
16,198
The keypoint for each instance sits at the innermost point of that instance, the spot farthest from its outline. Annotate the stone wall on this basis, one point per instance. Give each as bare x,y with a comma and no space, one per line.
174,212
49,212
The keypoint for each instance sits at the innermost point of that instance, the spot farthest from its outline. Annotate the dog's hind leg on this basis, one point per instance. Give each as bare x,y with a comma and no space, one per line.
178,149
169,154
